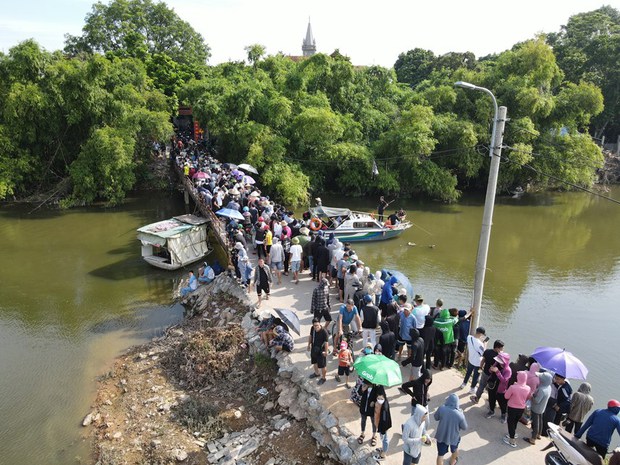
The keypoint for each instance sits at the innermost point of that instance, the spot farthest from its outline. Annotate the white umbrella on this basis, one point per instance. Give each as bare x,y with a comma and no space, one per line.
246,167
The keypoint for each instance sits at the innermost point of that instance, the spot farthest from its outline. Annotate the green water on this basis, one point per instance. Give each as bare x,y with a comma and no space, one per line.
553,272
74,293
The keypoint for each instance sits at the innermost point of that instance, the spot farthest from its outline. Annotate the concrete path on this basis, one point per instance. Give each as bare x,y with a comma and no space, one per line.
480,444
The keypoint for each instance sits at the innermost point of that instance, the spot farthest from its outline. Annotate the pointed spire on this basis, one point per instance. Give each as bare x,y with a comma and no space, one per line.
308,47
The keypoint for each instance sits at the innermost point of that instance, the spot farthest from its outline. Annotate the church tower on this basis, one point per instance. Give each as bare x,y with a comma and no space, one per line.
308,46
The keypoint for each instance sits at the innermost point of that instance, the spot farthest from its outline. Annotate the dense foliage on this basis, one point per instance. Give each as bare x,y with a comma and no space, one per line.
91,114
324,121
151,32
91,119
588,49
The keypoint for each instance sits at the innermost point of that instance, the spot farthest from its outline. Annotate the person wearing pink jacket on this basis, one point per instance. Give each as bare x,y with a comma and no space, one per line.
516,395
532,378
498,383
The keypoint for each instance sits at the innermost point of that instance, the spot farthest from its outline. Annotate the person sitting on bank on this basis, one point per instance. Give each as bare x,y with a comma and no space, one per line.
192,286
206,274
282,340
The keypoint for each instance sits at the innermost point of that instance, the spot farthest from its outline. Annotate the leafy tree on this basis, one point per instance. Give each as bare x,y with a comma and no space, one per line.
587,49
60,105
104,168
133,26
255,53
414,66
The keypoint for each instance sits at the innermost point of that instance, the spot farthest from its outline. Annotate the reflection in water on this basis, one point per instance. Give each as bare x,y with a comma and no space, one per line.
553,274
74,293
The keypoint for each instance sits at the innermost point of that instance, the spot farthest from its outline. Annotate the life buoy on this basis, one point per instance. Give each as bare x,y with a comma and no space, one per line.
315,224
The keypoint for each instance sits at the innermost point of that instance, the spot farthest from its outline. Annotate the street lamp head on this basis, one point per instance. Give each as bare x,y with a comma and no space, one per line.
465,85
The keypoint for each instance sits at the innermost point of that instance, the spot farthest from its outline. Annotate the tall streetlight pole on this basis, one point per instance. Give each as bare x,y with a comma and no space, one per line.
495,153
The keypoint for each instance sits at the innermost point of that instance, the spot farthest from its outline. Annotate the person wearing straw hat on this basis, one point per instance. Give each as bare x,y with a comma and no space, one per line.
296,255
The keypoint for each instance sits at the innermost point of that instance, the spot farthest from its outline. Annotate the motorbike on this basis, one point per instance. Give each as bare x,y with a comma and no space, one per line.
569,449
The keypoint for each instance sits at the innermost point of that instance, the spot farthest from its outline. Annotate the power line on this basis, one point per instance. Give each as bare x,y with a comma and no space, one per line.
424,156
576,162
562,181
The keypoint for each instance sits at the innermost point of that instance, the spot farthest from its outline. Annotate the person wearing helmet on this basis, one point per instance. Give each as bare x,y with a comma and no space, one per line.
600,426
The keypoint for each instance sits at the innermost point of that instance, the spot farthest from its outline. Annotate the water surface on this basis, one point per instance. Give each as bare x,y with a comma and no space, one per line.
74,293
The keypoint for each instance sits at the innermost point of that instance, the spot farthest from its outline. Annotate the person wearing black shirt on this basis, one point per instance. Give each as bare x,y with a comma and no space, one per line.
259,239
418,389
486,362
387,340
393,219
318,345
370,321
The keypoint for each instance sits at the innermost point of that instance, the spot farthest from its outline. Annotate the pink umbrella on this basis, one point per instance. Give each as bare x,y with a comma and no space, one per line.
248,180
200,175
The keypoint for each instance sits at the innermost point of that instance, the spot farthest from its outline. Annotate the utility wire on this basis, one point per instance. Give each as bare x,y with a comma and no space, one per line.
576,162
562,181
424,156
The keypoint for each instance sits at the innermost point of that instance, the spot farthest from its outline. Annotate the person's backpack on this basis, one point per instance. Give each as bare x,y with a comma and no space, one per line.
356,394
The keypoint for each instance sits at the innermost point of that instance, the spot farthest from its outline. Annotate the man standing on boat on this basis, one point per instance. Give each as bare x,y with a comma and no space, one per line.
381,208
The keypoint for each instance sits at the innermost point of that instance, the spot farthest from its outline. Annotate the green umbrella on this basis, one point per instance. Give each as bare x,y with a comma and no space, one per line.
378,369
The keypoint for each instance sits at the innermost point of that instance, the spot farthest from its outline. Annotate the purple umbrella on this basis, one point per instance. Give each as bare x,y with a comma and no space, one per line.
236,172
248,180
561,362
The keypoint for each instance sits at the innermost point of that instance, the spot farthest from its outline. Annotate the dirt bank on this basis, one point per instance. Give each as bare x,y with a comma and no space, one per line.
191,396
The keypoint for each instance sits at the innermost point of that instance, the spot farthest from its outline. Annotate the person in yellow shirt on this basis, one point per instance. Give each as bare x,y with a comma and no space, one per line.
268,242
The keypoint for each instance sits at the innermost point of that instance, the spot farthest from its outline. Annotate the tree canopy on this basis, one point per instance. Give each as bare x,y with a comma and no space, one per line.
92,120
136,27
317,124
171,49
587,49
330,121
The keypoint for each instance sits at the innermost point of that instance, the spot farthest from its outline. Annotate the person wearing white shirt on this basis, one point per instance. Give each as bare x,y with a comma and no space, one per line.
296,253
475,347
420,311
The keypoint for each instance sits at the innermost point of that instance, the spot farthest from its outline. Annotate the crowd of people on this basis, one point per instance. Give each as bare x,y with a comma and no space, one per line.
375,307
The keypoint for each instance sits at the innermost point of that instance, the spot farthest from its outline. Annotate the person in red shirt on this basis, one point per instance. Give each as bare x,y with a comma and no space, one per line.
345,360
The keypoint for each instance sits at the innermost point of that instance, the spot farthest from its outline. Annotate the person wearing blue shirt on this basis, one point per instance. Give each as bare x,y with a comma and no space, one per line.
193,284
348,314
206,274
601,423
407,321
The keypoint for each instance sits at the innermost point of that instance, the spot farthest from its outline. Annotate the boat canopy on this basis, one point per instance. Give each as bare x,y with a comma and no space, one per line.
184,236
330,212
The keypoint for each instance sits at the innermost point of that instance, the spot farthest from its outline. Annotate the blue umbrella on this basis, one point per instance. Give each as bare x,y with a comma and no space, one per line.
229,213
560,362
